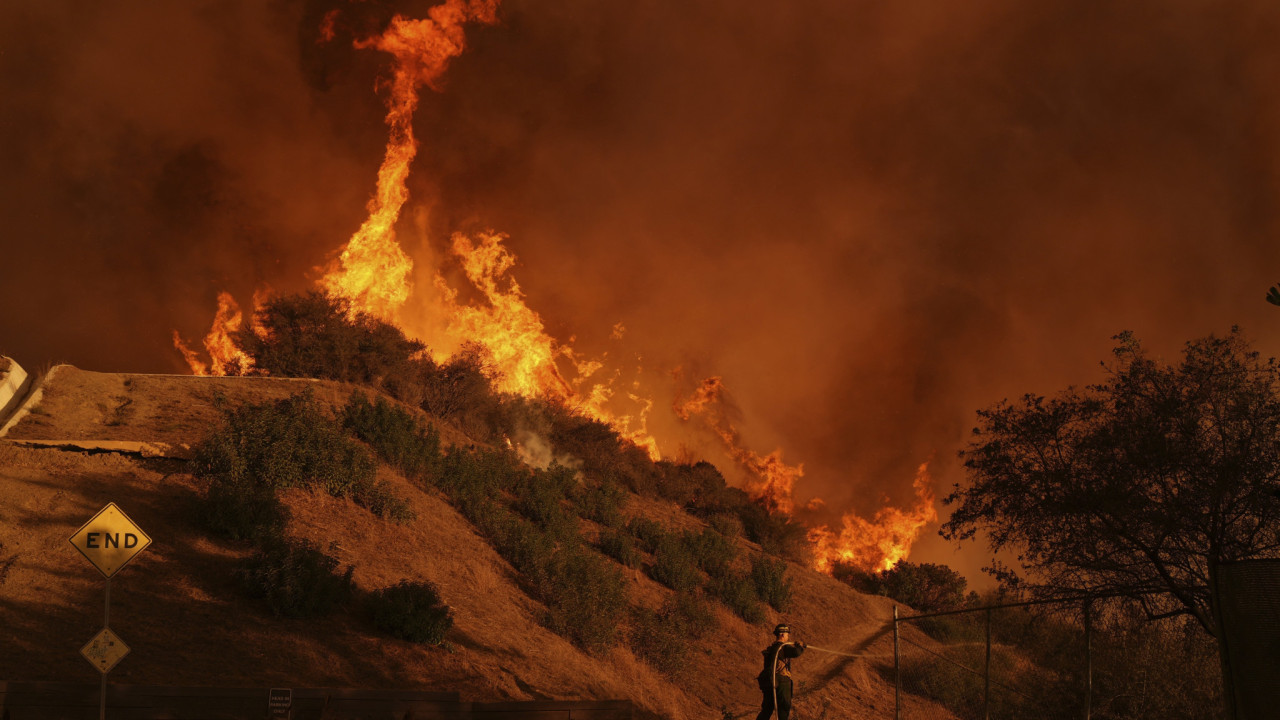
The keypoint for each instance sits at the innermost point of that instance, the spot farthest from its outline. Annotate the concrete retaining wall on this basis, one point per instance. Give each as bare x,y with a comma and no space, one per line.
14,383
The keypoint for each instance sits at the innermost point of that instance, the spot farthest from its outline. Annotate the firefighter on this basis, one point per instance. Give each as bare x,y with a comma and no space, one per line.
775,678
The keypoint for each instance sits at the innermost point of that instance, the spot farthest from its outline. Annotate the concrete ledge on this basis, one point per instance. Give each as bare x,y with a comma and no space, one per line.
126,447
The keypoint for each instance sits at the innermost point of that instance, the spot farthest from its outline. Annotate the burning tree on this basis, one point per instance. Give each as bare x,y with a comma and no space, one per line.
1142,485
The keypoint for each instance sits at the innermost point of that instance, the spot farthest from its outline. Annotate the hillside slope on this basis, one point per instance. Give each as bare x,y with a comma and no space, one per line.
98,437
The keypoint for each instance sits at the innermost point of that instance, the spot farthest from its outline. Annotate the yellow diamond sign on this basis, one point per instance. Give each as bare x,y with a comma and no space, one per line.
110,540
104,651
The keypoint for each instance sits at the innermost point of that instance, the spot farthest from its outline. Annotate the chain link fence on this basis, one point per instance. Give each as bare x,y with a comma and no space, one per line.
1050,660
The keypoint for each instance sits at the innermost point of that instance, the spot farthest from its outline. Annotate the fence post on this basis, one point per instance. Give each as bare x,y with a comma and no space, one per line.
986,674
1088,658
897,670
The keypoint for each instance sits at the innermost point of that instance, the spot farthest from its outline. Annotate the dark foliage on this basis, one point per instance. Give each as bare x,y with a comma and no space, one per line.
399,438
769,578
600,502
674,564
927,587
712,552
316,335
621,547
586,597
663,638
738,593
776,533
648,533
288,443
296,579
1143,483
410,611
240,508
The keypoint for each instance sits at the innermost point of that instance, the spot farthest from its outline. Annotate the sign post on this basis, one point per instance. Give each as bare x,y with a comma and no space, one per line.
108,541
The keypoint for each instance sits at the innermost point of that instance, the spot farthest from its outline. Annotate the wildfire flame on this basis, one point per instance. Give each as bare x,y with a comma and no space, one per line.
373,271
373,274
876,544
879,543
224,356
773,480
513,333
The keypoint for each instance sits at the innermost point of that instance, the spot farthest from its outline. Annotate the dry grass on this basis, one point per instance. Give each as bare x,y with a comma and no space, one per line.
178,608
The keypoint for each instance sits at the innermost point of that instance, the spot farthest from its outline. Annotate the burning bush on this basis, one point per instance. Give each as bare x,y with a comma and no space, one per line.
410,611
317,335
460,390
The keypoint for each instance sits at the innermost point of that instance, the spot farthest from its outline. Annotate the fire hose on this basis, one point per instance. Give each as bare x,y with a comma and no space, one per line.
774,675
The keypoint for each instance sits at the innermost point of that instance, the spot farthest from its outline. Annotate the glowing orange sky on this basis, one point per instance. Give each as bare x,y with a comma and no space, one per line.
870,220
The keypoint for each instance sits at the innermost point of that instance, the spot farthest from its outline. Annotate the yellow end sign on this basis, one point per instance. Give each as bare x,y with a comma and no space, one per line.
105,650
110,540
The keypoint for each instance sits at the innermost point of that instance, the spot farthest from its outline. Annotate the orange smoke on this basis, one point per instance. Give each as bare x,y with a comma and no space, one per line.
224,356
373,271
879,543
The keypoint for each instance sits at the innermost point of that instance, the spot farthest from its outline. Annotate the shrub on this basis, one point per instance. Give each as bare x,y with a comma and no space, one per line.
595,443
410,611
288,443
776,533
468,476
460,390
649,533
241,509
527,547
727,525
585,598
382,501
674,564
601,502
654,640
662,638
295,579
396,436
540,496
620,547
737,593
770,581
712,551
317,335
927,587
